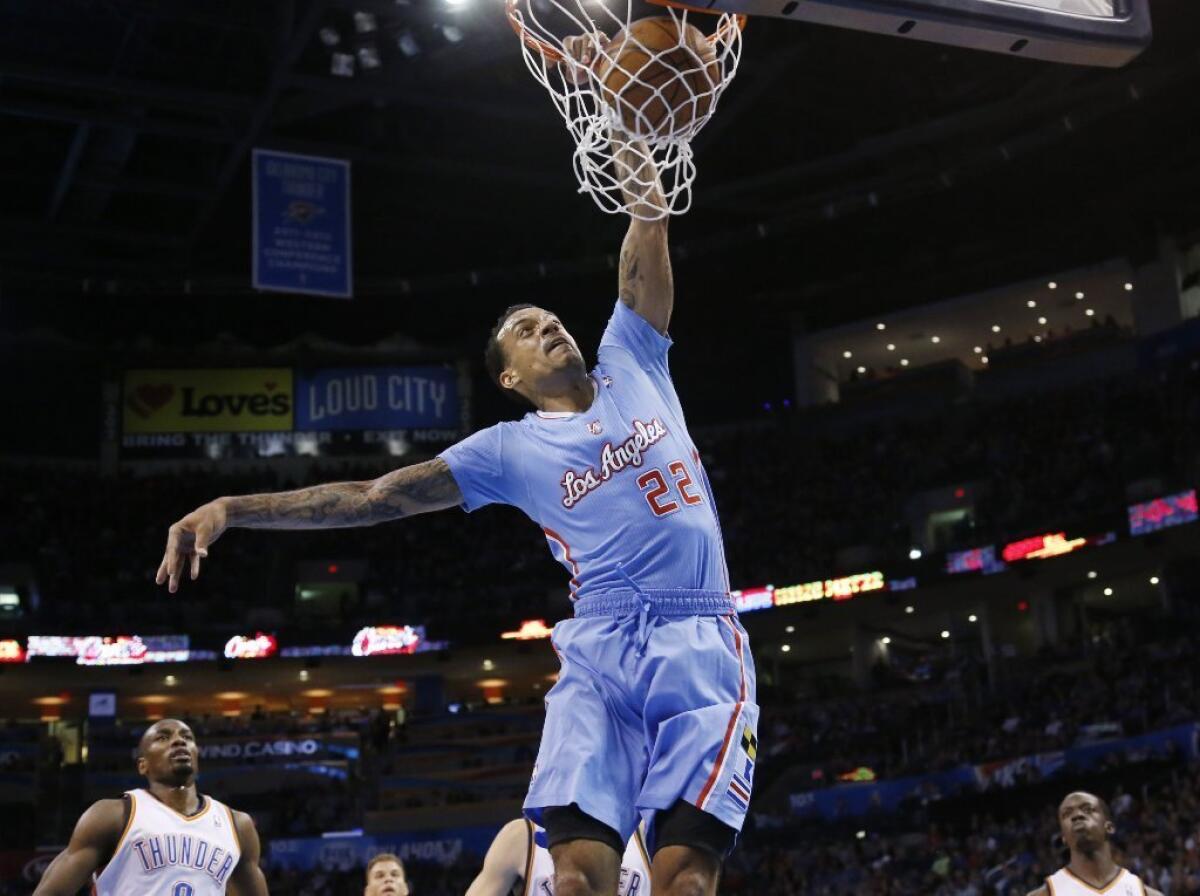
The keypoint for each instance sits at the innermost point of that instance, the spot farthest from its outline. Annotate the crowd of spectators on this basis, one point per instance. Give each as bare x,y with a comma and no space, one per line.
794,492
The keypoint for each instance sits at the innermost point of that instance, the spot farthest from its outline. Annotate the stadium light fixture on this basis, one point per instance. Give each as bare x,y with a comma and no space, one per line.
995,328
885,640
861,369
1108,592
984,359
945,634
790,629
891,346
1091,573
1154,580
935,339
1129,287
978,349
847,354
1031,303
1091,312
909,610
1042,321
786,648
1052,285
904,362
972,618
1078,296
170,681
914,553
882,326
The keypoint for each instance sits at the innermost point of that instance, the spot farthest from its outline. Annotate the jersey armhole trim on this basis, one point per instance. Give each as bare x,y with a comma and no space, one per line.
130,806
529,851
237,838
641,842
1049,887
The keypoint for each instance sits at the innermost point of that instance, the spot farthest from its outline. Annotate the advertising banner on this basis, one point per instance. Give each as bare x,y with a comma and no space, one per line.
251,399
377,398
446,848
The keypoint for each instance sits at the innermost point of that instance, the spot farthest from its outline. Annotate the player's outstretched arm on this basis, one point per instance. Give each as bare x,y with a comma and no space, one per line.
504,863
92,844
247,878
646,283
420,488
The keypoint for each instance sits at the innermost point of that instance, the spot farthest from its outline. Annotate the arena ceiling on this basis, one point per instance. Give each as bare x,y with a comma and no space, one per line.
845,174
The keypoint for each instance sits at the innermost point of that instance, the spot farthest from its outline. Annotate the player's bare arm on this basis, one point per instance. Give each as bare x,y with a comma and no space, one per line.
247,878
1040,891
92,843
504,864
646,284
420,488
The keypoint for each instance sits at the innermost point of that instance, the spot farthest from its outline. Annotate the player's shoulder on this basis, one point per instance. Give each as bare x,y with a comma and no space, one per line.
104,820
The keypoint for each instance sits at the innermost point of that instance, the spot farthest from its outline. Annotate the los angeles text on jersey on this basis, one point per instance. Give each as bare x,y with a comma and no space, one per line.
183,851
613,459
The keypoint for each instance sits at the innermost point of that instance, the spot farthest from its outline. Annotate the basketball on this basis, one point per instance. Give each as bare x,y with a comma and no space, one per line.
659,80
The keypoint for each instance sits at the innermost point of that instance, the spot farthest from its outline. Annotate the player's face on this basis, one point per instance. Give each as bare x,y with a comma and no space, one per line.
537,346
1082,821
169,753
386,878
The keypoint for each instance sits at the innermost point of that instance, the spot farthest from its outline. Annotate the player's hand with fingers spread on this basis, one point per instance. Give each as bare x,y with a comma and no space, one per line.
188,541
581,54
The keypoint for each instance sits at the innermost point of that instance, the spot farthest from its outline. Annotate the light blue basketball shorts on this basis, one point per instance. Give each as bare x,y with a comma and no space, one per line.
655,701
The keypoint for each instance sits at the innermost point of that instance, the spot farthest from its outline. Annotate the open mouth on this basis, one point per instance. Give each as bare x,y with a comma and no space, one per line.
181,753
556,342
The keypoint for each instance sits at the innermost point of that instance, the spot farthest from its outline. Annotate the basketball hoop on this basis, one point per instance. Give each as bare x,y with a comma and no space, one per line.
623,114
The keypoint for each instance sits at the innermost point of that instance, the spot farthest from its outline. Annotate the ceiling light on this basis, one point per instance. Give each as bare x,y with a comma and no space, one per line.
488,665
1031,303
1042,321
1091,312
1078,295
304,675
891,346
1052,285
1037,338
881,326
914,554
407,44
935,339
1129,287
862,369
945,634
1154,580
368,57
847,354
1108,592
909,610
790,629
1091,573
786,648
170,681
972,618
885,640
904,362
995,328
984,359
978,349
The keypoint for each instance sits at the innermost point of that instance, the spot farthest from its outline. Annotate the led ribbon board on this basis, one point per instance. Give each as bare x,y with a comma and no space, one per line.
1163,513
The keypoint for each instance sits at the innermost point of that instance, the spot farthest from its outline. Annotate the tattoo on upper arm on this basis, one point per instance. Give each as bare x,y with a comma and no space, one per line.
425,486
630,281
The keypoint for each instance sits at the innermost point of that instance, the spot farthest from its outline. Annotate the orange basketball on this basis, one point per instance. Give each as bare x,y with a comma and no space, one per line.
657,80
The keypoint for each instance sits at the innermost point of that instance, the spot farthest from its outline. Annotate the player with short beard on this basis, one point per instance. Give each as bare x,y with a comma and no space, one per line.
166,839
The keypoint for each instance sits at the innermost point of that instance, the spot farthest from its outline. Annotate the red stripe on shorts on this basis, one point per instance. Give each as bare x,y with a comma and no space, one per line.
737,710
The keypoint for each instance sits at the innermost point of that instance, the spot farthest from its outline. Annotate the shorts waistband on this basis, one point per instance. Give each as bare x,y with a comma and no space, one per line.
656,601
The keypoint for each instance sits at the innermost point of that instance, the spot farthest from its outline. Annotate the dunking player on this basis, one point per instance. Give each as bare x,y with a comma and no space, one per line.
654,711
518,864
166,838
1086,825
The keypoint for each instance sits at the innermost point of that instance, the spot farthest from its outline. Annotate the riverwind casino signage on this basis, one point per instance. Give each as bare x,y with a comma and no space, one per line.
278,411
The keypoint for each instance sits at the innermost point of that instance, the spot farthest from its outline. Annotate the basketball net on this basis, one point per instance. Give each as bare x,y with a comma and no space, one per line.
614,136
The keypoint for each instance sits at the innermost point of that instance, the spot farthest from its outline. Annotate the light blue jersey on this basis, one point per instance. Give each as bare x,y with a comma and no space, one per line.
655,698
618,489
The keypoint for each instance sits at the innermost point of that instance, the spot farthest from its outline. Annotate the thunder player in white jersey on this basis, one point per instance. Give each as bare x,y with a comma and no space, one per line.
517,864
1086,824
165,839
653,718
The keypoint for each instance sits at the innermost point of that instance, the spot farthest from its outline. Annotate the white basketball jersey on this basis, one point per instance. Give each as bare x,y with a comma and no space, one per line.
163,853
1064,883
635,869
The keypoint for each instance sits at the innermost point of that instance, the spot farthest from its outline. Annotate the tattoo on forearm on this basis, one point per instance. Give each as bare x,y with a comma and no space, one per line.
403,492
630,281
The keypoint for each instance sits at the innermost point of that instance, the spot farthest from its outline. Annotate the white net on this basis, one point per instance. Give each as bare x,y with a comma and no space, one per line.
649,86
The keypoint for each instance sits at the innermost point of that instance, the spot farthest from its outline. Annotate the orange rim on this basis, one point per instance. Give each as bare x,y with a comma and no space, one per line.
553,54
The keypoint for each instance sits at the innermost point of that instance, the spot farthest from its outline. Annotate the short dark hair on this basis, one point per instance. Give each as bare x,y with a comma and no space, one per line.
386,857
493,354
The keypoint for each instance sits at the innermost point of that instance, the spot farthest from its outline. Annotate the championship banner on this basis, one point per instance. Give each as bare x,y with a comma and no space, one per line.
302,224
378,398
252,399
